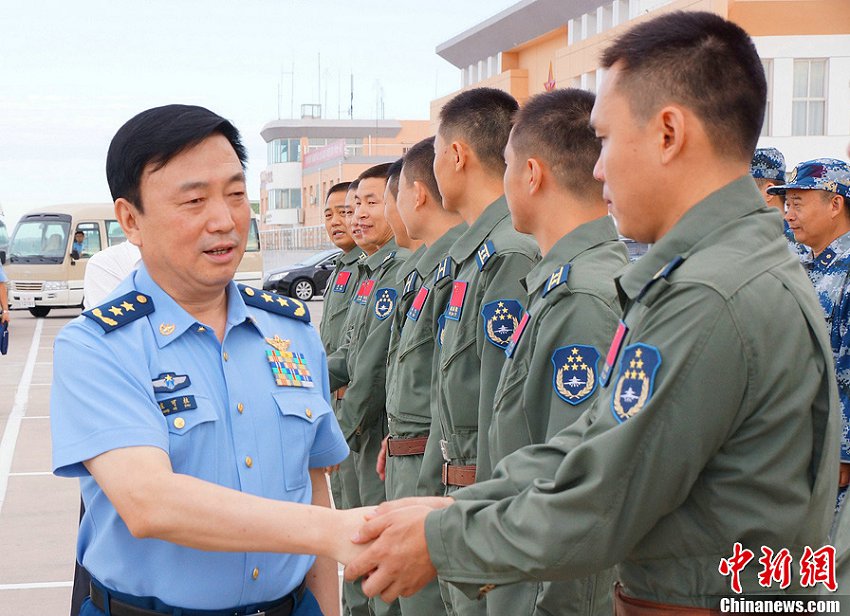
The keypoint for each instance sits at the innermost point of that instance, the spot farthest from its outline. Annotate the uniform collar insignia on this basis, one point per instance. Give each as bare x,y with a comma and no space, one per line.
444,270
558,277
484,253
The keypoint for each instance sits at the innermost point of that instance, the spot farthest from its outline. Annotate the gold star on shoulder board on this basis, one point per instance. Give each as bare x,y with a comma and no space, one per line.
266,297
280,344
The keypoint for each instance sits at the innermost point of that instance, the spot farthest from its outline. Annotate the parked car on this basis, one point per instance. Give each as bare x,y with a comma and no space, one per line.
303,280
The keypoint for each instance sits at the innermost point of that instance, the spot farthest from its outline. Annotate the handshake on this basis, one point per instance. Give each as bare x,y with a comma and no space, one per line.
386,546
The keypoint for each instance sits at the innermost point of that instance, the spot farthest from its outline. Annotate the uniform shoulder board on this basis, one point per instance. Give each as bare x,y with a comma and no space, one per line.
390,256
121,310
363,256
410,282
558,277
444,269
483,254
664,273
266,300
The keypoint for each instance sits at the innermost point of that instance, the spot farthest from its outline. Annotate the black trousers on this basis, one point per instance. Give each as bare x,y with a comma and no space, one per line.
82,579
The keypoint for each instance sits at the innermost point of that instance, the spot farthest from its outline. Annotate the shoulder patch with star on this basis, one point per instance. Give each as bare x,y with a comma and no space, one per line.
575,372
121,311
272,302
636,380
385,300
501,318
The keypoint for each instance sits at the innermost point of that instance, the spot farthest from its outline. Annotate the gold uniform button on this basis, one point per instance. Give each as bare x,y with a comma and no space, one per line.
308,413
202,328
249,462
225,355
240,407
179,423
255,573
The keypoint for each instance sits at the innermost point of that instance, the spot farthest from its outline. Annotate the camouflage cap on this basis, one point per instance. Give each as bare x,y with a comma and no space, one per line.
829,174
768,163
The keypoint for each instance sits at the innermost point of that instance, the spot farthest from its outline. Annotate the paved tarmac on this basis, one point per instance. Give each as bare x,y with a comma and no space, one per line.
38,512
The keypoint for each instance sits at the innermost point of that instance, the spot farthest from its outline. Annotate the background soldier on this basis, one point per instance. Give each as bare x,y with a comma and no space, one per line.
695,441
768,169
552,370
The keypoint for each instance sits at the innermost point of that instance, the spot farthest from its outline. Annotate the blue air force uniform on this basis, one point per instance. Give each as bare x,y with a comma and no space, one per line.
251,413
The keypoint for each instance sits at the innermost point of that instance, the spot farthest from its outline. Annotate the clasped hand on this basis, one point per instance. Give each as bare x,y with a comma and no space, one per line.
395,561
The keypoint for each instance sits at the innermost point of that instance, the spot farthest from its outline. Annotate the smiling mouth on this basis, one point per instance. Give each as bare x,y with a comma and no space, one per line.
219,251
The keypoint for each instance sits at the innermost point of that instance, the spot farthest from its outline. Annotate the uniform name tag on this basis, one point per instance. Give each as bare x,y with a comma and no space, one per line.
613,352
341,282
175,405
509,351
455,306
365,291
418,302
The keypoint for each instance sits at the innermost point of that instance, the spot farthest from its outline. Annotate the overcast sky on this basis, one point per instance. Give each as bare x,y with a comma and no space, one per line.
73,72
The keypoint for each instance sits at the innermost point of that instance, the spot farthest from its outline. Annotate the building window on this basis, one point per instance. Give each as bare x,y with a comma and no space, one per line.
284,199
808,110
767,64
285,151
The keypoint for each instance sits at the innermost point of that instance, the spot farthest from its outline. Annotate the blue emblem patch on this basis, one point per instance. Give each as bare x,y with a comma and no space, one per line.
483,254
633,390
500,320
410,283
558,277
441,328
168,382
385,303
178,404
575,372
444,270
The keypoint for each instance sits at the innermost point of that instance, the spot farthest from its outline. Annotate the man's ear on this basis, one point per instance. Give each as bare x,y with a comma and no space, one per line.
421,194
128,217
460,151
535,175
671,124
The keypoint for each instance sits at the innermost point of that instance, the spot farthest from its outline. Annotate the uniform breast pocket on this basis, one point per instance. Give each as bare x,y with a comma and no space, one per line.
192,435
300,417
458,342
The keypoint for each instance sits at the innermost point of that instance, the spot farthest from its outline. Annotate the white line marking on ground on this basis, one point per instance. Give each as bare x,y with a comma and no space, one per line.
19,409
30,474
36,417
33,585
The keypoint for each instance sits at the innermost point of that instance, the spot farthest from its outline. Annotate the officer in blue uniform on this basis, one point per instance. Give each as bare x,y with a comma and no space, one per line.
195,411
768,169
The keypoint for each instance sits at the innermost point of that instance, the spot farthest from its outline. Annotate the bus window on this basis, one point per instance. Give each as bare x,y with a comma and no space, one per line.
40,241
114,233
91,239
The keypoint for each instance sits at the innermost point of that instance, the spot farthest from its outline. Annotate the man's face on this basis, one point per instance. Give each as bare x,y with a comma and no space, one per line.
809,215
369,213
444,170
626,165
391,214
406,204
516,187
193,231
335,215
771,200
78,237
348,216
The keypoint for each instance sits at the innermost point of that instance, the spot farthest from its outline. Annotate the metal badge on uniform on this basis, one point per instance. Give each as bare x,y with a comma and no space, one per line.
289,369
613,351
410,282
509,350
385,303
501,318
167,382
444,270
178,404
441,328
634,386
341,282
418,302
364,291
455,306
575,372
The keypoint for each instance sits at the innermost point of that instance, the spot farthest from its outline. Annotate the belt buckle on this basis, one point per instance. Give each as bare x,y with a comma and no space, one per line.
389,452
444,449
445,474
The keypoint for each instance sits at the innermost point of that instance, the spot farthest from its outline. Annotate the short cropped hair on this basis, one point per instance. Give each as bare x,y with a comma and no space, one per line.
555,127
393,174
156,136
419,166
701,61
353,184
378,171
482,117
341,187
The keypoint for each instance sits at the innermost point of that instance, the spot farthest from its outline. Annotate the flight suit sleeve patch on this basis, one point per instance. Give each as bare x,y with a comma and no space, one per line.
385,303
634,386
341,282
501,318
575,372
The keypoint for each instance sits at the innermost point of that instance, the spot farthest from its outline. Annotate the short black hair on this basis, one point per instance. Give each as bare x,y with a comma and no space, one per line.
392,177
419,166
378,171
353,184
482,117
154,137
340,187
701,61
555,127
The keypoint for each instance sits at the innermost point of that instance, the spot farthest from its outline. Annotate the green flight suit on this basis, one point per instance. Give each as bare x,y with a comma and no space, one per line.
723,429
409,389
361,362
337,299
551,377
492,259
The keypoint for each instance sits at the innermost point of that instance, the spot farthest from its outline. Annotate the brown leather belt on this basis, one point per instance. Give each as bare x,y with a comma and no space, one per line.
455,475
629,606
283,607
406,446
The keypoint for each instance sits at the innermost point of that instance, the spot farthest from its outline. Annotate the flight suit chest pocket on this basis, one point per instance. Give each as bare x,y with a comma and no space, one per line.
191,432
299,422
